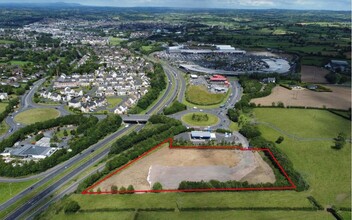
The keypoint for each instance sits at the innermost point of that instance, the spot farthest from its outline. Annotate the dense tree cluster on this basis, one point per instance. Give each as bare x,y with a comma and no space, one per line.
250,131
135,144
233,114
174,108
157,84
89,132
71,207
9,108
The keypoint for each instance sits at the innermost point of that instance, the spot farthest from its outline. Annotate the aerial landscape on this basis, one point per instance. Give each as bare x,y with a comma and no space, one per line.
165,109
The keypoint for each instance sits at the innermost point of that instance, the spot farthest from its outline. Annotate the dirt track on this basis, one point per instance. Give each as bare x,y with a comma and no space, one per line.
171,166
340,98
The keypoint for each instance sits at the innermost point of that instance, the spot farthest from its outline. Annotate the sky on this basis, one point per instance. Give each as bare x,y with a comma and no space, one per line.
236,4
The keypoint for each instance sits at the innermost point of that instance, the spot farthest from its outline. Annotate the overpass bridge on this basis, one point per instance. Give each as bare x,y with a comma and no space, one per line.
135,119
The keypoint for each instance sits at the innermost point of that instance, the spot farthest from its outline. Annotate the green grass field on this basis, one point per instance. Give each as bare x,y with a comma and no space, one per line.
3,106
4,127
115,41
212,119
7,41
113,101
207,215
199,95
36,115
19,63
327,171
8,190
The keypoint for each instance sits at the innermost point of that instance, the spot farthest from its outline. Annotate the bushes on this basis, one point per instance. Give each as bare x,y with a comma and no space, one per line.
233,115
71,207
157,186
250,131
315,203
174,108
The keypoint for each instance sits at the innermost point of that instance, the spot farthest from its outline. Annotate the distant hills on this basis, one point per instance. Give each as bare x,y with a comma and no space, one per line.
42,5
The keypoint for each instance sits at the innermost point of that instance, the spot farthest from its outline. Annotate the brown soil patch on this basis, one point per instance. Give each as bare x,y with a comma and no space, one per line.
313,74
171,166
339,98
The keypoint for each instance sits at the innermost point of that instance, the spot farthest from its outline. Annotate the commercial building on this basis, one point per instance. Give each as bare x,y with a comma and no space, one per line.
29,151
204,135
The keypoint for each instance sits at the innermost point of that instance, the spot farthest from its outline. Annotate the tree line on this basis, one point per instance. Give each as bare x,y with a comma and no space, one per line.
89,132
157,85
135,144
174,108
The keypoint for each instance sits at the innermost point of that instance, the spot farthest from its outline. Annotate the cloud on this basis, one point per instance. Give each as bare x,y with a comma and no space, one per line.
258,4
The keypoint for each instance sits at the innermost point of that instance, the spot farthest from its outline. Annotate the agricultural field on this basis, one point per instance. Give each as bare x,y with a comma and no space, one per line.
36,115
313,74
199,95
339,98
172,166
204,119
308,139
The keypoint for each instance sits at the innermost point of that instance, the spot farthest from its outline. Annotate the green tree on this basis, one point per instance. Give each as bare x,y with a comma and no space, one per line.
279,140
71,207
130,188
157,186
65,133
122,190
340,141
114,189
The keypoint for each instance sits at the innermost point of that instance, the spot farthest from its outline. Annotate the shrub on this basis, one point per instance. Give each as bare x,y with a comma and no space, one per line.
157,186
71,207
279,140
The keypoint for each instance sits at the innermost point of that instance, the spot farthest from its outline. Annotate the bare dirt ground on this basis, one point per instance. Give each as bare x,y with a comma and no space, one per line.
172,166
313,74
339,98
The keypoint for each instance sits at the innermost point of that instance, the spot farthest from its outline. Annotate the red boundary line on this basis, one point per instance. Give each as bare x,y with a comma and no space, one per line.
170,141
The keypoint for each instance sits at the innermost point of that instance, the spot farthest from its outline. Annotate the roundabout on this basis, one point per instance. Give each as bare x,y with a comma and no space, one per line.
200,119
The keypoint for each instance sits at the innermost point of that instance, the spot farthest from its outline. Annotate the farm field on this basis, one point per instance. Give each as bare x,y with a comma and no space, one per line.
339,98
212,120
36,115
200,96
327,171
172,166
313,74
115,41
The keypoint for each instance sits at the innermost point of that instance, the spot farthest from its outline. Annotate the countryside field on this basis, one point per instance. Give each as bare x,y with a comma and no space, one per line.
326,170
36,115
339,98
313,74
206,215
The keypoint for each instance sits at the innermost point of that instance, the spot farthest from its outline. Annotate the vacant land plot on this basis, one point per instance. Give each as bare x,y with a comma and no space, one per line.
339,98
327,171
36,115
313,74
172,166
199,95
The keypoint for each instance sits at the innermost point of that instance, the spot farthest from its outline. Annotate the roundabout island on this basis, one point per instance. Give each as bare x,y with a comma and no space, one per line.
200,119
